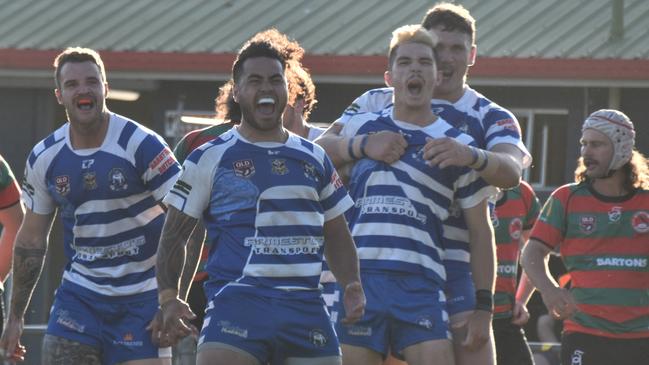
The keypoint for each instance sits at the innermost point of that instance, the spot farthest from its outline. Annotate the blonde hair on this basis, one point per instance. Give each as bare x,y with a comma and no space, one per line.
413,33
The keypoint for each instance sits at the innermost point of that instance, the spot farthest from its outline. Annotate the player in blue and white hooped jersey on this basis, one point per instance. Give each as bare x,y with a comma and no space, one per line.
397,219
106,176
499,160
272,204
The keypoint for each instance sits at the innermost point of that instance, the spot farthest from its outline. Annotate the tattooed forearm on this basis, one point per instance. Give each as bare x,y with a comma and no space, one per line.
171,251
194,248
28,263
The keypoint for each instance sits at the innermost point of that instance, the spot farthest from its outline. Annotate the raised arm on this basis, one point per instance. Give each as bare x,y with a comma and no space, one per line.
341,256
29,255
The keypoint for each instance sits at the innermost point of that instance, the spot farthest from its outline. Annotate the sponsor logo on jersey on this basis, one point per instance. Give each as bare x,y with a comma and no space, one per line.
90,180
318,337
615,214
243,168
128,340
310,172
576,357
587,224
286,245
279,166
62,184
506,269
162,161
390,205
129,247
86,164
336,181
627,262
515,228
509,124
117,180
359,331
640,222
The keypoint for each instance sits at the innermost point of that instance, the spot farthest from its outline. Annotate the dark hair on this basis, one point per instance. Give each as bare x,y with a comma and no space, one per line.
254,49
77,54
450,17
226,108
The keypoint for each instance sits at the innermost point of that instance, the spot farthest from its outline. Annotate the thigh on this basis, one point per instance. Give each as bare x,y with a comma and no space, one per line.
225,355
486,355
61,351
360,355
437,352
125,337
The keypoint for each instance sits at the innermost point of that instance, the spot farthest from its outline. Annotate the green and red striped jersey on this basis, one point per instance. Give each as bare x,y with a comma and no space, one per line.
604,244
185,146
9,190
515,212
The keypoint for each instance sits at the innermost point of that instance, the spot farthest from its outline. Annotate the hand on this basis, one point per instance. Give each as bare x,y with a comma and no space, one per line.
520,315
354,302
560,303
11,349
385,146
444,152
171,323
478,329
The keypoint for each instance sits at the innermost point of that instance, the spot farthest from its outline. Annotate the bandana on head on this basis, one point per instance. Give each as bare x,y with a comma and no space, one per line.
619,129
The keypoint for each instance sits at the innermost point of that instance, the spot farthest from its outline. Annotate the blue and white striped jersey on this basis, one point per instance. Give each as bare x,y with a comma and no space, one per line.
108,200
263,205
487,122
399,208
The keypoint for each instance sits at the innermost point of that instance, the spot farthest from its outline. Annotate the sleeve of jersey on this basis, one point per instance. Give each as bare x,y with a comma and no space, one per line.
471,189
191,192
333,196
35,194
501,126
161,169
372,101
549,227
9,191
533,206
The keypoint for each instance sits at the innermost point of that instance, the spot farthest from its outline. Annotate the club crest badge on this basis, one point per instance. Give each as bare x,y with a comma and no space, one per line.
310,172
243,168
318,338
117,180
640,222
587,224
89,181
279,166
62,184
515,228
614,214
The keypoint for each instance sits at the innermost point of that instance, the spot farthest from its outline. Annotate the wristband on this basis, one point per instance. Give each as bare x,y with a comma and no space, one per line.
363,144
167,295
484,162
484,300
350,149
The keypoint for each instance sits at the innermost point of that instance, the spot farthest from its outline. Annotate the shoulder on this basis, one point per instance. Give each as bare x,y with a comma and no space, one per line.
452,132
48,146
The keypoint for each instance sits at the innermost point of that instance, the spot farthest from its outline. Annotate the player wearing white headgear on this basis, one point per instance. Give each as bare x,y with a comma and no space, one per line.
601,225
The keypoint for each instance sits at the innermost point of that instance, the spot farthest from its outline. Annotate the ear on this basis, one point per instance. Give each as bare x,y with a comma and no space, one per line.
106,90
59,99
387,78
472,55
235,93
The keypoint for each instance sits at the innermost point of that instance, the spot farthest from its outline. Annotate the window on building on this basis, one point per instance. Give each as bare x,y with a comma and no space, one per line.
544,134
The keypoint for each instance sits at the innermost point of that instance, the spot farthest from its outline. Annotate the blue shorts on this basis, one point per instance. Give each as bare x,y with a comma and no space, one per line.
331,295
270,328
115,326
401,311
460,291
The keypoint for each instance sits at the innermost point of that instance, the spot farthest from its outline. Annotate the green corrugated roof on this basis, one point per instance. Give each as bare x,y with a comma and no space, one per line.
506,28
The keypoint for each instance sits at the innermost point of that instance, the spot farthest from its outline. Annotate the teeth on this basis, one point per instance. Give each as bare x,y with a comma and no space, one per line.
266,101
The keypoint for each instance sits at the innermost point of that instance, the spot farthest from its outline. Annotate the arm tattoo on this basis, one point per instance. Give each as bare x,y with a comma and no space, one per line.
28,263
194,249
171,251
